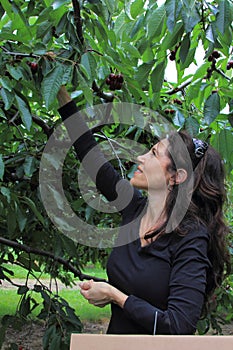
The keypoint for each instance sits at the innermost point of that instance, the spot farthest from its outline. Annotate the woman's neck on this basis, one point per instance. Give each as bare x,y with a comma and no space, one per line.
154,216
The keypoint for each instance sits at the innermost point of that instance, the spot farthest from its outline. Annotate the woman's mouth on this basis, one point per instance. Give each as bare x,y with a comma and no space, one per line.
138,171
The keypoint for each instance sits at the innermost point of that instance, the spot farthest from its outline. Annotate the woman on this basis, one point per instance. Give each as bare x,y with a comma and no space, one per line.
159,281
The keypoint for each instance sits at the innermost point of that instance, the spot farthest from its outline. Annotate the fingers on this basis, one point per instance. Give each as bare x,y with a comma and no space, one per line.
86,285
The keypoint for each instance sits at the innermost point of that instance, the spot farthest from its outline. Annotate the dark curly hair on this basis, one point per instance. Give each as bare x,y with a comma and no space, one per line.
198,201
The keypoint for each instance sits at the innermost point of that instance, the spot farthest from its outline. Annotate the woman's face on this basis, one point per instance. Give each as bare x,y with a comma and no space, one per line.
152,172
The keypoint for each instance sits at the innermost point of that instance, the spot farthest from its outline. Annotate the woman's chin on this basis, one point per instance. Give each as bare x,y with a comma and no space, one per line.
136,184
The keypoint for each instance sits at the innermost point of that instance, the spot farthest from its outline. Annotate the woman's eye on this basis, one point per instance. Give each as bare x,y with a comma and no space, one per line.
154,152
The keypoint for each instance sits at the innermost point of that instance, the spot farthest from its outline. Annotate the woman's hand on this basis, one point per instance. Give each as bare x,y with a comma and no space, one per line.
101,293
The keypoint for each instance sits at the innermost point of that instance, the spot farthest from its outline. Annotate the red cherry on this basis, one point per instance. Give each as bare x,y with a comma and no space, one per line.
179,102
172,56
229,65
119,78
215,54
108,81
34,67
112,85
112,76
118,85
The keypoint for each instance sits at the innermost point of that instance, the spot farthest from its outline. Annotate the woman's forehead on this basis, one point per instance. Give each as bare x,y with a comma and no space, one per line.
162,144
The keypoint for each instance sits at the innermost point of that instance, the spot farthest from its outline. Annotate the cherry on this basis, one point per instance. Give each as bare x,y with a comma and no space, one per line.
169,111
229,65
120,78
115,81
33,66
112,76
108,81
215,54
179,102
172,56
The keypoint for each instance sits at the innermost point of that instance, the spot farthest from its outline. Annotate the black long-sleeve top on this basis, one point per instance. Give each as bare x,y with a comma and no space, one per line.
165,279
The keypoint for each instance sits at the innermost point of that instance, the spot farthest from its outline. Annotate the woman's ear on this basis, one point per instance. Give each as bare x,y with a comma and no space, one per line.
181,176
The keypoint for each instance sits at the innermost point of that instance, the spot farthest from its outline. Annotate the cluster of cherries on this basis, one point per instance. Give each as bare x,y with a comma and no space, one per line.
115,81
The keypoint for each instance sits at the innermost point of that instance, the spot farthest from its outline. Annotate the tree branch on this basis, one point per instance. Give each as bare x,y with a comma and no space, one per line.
108,97
19,53
78,20
179,88
77,272
44,126
222,74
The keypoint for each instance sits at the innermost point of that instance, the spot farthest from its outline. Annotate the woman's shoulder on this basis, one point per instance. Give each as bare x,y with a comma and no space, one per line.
196,237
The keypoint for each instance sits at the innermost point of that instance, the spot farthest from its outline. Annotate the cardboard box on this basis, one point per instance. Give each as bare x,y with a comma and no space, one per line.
148,342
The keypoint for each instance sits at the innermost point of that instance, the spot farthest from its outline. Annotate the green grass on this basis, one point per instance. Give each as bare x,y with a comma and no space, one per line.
21,273
10,299
85,311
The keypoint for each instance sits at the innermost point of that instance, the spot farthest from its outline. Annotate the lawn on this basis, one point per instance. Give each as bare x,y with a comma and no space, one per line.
9,297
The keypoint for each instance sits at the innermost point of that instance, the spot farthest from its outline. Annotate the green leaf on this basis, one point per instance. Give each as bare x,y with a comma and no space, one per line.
15,72
211,108
6,83
7,97
11,222
223,142
173,8
24,307
29,165
189,59
224,17
89,62
173,38
2,167
157,76
22,219
110,5
184,48
190,15
155,21
143,72
22,290
24,112
192,126
136,8
51,85
132,50
6,193
67,75
179,118
34,209
2,114
201,71
7,7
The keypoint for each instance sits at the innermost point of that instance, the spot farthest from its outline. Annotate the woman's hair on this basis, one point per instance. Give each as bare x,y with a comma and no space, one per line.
198,201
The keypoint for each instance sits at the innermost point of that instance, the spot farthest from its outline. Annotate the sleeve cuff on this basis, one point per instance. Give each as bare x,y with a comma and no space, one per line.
67,110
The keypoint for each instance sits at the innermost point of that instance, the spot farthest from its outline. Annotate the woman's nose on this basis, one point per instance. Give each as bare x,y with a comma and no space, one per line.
141,158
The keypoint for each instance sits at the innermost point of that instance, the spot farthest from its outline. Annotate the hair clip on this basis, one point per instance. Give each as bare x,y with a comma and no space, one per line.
200,147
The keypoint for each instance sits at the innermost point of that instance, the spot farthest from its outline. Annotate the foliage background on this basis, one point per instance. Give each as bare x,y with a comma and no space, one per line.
44,44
